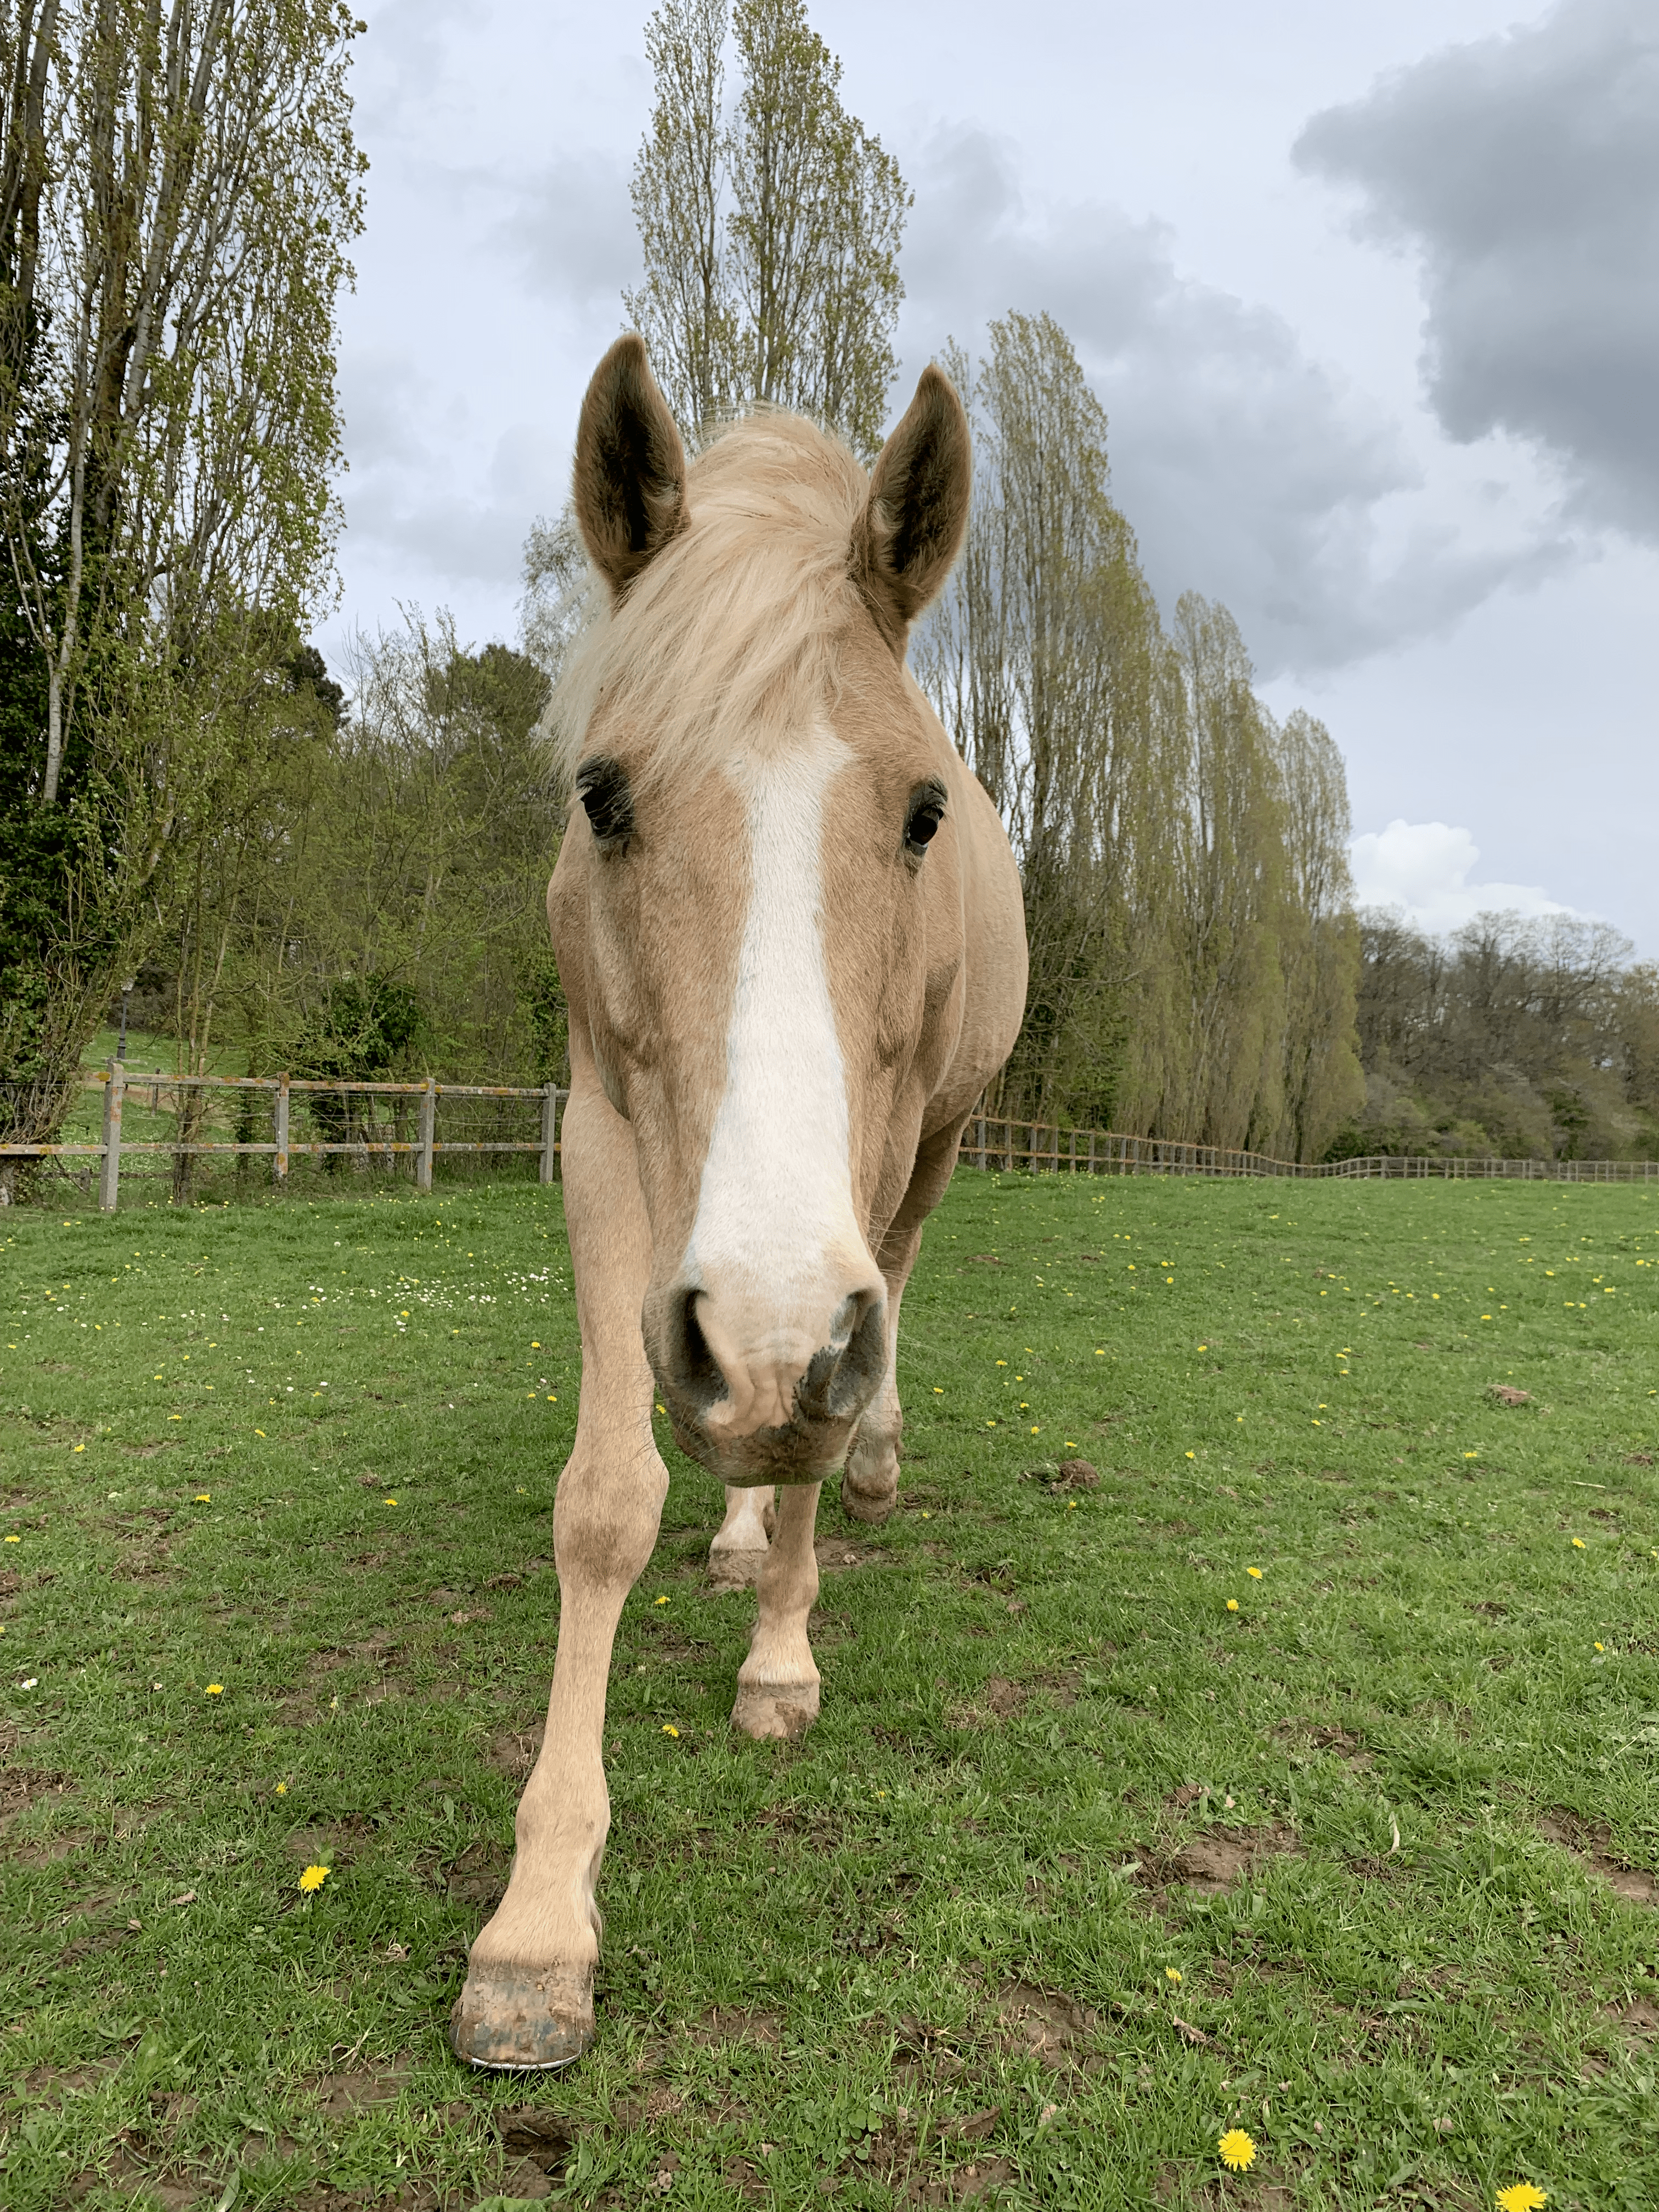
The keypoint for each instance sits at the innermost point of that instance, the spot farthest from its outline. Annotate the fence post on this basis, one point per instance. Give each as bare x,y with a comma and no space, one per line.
549,1133
429,1131
280,1163
115,1084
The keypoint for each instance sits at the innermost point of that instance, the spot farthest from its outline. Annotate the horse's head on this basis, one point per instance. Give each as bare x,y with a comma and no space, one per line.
757,909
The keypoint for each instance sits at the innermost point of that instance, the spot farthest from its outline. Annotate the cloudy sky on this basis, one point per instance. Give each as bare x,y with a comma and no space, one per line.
1371,295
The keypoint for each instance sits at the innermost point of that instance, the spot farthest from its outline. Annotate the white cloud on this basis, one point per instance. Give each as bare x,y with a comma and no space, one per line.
1423,868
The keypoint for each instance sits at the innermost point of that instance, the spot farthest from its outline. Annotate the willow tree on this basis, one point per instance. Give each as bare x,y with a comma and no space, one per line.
770,234
1043,659
179,191
1321,1083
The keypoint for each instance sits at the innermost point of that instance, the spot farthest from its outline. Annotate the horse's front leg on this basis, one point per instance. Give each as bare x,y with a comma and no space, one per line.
778,1682
529,1996
739,1551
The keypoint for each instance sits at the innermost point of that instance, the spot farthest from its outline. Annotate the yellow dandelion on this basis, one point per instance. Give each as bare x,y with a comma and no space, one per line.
662,1600
1232,1605
1254,1573
1237,2150
388,1501
216,1689
312,1878
258,1432
1173,1974
1521,2197
1578,1544
939,1391
1192,1454
202,1497
669,1728
14,1539
1600,1647
281,1789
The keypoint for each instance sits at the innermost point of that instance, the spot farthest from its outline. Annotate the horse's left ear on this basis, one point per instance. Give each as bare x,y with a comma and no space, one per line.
630,466
911,530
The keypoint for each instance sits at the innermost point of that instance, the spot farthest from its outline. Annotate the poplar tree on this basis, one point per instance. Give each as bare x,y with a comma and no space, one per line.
179,191
770,234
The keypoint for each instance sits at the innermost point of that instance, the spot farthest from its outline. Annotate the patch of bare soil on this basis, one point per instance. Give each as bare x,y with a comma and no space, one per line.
338,2095
1045,2022
21,1786
1507,1395
1343,1743
1636,2017
979,2173
835,1555
479,1875
1592,1842
725,2023
1003,1699
513,1751
331,1846
918,2046
541,2141
1214,1861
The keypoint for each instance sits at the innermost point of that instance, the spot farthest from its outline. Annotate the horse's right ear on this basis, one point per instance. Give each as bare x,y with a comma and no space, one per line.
630,466
911,529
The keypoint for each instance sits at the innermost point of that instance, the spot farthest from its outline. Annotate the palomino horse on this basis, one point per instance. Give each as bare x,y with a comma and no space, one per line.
789,925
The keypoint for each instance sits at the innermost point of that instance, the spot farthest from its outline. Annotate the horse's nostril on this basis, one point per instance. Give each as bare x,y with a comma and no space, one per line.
842,1376
695,1368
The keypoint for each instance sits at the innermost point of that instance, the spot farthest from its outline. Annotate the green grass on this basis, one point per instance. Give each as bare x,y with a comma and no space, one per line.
929,1950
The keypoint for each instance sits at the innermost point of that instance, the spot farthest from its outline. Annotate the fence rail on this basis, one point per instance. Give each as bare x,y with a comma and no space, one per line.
371,1142
1040,1148
989,1140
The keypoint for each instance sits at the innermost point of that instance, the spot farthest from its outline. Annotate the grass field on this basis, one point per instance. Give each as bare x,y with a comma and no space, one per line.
1081,1867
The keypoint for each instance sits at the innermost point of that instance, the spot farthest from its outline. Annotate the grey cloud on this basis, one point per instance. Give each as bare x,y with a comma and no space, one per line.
1249,471
1525,170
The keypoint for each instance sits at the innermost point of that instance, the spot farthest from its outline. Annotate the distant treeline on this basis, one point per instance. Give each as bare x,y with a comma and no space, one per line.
1528,1039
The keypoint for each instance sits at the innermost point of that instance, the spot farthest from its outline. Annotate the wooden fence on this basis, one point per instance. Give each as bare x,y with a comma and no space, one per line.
1041,1148
372,1145
989,1141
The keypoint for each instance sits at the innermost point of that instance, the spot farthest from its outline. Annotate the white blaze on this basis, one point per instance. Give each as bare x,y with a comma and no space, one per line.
776,1248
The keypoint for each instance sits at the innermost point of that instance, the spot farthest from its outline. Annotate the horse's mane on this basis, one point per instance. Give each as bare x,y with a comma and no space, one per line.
733,626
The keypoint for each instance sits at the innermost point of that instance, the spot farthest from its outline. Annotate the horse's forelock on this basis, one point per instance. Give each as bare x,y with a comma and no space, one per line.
728,638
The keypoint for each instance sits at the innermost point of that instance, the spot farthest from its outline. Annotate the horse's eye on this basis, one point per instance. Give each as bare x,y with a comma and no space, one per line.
927,812
602,787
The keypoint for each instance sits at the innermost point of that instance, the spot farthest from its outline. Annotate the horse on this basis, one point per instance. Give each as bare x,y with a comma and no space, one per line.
789,927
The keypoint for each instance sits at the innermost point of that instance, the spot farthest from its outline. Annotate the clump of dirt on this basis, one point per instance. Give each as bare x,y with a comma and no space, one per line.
1506,1394
835,1555
544,2141
1592,1842
338,2095
1003,1699
1212,1862
1046,2023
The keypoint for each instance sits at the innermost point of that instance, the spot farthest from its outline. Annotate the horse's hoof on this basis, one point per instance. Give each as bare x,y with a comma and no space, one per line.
513,2017
873,1507
735,1570
775,1715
